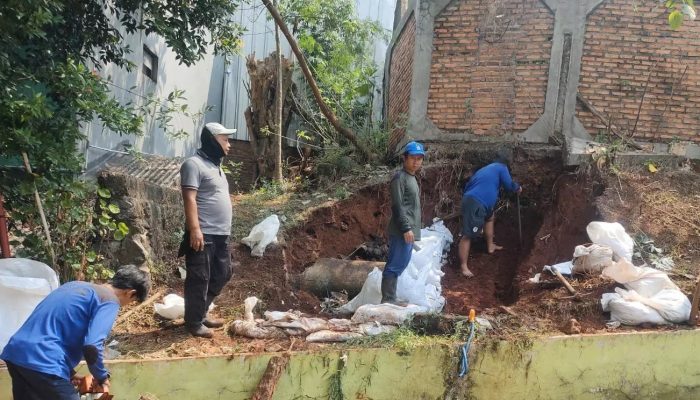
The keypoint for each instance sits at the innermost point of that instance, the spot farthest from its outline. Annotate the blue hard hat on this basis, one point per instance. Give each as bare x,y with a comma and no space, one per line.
414,149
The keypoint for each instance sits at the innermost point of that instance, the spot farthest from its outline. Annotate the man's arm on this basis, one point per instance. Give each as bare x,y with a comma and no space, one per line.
507,182
189,181
93,346
189,197
398,209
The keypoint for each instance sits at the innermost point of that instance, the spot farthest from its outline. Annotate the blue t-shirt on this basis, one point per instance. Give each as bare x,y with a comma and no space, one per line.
485,183
51,341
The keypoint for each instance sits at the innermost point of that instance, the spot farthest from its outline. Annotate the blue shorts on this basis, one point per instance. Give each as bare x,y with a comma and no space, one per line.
474,216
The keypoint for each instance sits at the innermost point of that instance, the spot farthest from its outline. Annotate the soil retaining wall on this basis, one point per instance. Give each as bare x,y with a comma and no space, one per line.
611,366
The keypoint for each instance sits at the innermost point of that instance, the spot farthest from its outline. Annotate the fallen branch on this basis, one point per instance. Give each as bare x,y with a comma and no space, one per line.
693,321
327,112
40,207
601,117
268,382
138,307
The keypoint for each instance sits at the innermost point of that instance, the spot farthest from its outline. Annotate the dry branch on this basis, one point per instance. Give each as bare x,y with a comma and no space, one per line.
141,306
601,117
268,382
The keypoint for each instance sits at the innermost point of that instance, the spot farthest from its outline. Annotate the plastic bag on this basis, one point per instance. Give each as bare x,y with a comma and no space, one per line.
591,259
643,280
262,235
173,307
386,314
419,284
331,336
24,284
371,293
613,235
630,312
671,304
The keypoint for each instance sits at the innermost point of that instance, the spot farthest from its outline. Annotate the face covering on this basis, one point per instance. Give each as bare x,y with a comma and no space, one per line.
211,149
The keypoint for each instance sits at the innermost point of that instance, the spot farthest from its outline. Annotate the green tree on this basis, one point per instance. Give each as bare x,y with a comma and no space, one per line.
50,49
339,49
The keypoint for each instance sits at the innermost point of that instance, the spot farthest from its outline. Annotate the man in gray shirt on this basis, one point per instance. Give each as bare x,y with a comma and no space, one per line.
208,216
405,223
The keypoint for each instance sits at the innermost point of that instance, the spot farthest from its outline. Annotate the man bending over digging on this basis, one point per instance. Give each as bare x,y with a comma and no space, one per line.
479,198
405,223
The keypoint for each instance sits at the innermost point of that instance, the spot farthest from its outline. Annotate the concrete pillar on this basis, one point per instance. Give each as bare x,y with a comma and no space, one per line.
559,117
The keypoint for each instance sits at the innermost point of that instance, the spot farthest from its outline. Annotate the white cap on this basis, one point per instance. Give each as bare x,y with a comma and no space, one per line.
217,129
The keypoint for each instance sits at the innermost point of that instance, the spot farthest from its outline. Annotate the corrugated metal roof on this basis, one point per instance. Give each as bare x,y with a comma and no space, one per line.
162,171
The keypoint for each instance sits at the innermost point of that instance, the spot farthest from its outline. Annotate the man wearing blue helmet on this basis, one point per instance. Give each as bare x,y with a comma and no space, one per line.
405,223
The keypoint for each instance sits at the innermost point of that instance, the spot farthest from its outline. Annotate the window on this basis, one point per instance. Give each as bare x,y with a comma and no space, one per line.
150,64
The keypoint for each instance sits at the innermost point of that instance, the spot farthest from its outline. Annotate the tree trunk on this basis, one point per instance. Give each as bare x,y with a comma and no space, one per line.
262,116
335,275
327,112
277,176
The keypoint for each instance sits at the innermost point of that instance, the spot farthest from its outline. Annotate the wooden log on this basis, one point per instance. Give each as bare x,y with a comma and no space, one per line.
335,275
693,321
268,382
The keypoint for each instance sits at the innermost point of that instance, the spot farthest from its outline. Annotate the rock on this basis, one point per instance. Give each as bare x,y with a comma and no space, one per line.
571,327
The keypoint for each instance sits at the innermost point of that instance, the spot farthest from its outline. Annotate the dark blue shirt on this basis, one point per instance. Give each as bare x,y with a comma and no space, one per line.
485,183
51,341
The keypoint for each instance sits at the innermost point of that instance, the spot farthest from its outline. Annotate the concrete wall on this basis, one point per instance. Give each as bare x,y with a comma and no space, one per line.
649,365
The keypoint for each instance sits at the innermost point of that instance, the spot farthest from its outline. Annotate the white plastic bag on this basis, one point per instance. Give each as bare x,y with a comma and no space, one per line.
643,280
613,235
591,259
419,284
331,336
386,314
671,304
629,312
173,307
24,284
371,293
262,235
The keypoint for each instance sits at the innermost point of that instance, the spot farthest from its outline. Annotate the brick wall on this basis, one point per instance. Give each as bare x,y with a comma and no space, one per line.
623,50
400,73
489,66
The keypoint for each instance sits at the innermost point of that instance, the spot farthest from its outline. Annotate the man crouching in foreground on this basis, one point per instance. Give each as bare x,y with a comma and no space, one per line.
71,323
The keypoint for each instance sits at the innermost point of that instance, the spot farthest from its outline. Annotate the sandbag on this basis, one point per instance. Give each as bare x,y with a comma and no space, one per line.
331,336
671,304
629,312
262,235
24,284
251,329
591,259
386,314
375,328
643,280
613,235
300,326
371,293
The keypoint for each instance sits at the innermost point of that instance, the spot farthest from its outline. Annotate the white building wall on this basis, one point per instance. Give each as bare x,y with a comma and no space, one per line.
202,84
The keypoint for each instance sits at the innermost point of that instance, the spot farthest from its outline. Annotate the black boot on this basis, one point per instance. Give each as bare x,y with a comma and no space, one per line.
389,283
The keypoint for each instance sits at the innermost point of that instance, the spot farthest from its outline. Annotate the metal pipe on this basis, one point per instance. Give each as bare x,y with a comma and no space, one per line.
4,236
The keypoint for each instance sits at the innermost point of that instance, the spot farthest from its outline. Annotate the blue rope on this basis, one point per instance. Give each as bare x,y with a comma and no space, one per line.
464,359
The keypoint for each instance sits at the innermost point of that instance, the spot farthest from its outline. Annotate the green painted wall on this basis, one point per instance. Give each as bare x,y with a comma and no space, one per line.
653,365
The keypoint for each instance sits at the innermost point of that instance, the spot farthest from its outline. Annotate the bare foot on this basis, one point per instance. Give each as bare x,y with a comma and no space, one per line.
494,248
466,272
